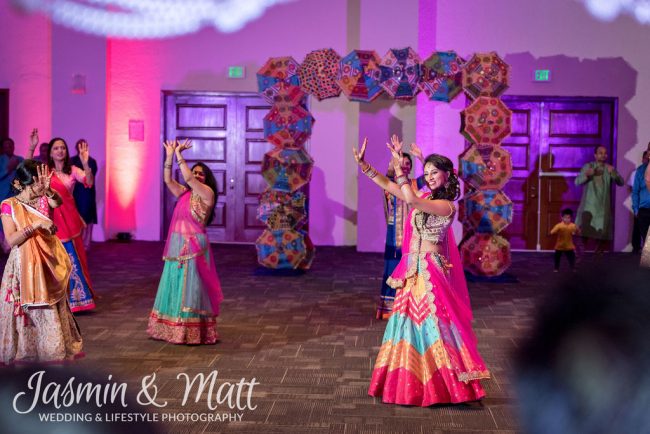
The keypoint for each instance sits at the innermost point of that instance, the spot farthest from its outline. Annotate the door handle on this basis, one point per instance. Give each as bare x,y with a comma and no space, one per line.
232,183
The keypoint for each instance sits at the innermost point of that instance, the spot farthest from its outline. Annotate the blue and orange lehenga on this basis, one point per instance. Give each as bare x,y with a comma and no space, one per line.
70,226
429,352
189,294
395,211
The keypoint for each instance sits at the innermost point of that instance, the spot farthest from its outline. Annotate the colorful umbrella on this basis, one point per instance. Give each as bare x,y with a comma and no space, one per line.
277,70
288,126
286,95
287,169
401,71
280,249
280,210
486,255
485,168
318,74
486,211
442,76
356,77
485,75
486,121
310,252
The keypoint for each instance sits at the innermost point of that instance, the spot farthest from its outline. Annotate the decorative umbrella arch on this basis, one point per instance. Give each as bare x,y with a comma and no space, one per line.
287,170
488,168
281,249
288,126
280,210
486,211
399,73
277,70
486,121
486,255
442,76
356,78
486,74
318,74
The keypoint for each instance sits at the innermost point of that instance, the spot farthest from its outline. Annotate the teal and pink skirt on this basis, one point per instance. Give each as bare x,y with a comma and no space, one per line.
424,359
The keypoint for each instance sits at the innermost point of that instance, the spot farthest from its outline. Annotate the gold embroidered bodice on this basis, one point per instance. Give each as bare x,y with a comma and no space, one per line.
431,227
199,209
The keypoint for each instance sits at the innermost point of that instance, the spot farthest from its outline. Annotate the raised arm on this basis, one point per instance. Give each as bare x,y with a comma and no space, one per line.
84,156
33,143
376,177
174,187
42,182
197,186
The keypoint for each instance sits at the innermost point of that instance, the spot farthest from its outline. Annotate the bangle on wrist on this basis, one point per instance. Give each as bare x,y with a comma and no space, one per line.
371,172
49,194
402,180
168,165
180,161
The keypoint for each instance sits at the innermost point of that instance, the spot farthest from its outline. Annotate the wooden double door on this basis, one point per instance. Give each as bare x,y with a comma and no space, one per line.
552,138
226,131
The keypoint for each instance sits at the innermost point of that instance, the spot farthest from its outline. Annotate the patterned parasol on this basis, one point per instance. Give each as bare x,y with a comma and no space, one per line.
280,249
355,76
277,70
288,126
486,211
280,210
318,74
401,71
442,76
286,169
489,167
310,252
287,95
486,121
486,74
486,255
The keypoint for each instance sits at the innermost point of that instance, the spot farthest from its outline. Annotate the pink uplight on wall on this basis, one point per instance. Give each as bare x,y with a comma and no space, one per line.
136,131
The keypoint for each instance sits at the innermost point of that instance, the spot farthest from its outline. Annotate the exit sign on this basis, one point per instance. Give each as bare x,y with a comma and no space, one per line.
542,75
236,72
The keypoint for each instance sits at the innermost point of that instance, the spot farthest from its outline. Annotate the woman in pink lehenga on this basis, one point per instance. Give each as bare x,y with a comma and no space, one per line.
189,293
428,353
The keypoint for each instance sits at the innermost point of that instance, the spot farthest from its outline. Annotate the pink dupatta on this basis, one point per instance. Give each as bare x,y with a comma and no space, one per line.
187,240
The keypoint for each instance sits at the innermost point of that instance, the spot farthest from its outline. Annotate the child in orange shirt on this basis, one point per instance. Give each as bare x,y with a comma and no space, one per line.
565,231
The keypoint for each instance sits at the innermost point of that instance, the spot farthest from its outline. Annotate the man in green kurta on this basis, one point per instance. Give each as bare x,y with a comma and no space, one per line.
595,213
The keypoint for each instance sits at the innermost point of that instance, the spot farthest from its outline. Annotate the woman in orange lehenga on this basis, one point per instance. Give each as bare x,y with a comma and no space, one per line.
36,324
428,354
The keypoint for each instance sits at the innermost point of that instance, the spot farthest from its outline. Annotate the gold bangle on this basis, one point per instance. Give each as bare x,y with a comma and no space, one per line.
168,166
49,194
401,180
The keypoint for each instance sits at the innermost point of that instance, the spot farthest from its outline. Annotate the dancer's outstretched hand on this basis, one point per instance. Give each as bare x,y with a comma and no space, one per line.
170,146
415,150
186,144
358,155
84,152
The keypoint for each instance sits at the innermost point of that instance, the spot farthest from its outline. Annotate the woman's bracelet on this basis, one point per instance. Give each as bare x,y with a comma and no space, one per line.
401,180
28,231
369,171
180,161
49,194
168,165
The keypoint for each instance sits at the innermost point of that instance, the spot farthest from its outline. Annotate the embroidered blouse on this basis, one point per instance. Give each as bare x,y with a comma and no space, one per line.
433,227
76,175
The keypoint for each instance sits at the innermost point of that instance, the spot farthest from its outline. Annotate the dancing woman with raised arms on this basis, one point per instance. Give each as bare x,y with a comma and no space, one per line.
428,354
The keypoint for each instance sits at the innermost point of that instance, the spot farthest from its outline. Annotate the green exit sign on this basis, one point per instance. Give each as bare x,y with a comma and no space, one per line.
236,72
542,75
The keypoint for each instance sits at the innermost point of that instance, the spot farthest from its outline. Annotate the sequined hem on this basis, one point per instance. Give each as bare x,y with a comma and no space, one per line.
190,331
466,377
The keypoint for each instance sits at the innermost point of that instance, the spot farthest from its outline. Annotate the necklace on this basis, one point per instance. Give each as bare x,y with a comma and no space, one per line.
33,202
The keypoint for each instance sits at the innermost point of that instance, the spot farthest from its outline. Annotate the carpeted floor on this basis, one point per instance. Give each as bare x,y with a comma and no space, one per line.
309,340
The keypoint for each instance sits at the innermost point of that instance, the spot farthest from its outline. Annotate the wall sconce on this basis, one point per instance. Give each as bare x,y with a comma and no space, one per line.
136,131
79,84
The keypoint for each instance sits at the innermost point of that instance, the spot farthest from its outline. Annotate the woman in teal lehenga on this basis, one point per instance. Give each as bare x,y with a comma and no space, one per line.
189,293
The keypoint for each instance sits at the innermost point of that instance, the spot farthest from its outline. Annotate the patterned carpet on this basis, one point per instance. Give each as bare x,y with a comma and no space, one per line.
309,340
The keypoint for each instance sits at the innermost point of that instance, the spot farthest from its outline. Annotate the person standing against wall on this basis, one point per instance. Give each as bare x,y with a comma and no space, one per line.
594,216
